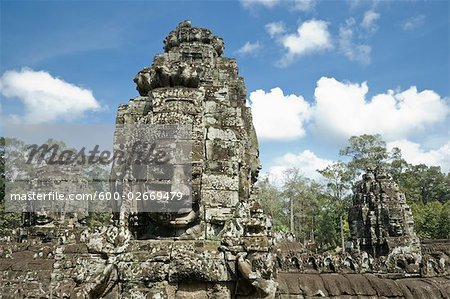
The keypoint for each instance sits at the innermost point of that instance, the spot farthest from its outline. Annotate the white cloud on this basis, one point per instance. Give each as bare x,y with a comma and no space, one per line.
277,116
249,48
368,22
413,22
275,29
253,3
311,36
304,5
45,98
341,110
414,154
306,161
353,51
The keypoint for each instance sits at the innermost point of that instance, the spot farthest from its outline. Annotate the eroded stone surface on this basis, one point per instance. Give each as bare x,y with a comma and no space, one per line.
380,219
381,222
192,84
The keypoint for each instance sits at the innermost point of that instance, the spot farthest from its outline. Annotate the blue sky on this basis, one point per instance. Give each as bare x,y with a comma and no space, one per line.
91,51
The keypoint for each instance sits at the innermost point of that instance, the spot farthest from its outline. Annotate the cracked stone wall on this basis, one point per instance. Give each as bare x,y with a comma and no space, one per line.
192,83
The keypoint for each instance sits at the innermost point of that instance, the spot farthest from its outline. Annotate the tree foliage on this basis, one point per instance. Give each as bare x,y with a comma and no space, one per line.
338,182
432,220
366,152
315,213
320,210
274,204
425,184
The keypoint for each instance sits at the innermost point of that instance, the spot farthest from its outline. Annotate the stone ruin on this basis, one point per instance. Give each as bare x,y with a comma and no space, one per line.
221,246
381,222
42,214
193,84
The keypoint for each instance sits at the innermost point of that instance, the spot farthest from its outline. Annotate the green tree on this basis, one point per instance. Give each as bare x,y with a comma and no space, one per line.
366,152
425,183
274,204
338,178
329,223
431,220
397,164
444,221
301,193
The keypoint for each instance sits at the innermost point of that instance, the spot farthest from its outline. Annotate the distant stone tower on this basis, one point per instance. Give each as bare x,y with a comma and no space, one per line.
42,216
191,83
380,220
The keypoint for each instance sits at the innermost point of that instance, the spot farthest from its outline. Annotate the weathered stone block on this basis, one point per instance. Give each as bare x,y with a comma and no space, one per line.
223,198
221,150
218,215
220,182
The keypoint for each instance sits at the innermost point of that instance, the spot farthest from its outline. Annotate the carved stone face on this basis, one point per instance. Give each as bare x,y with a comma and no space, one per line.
42,217
368,176
191,83
186,214
385,215
395,227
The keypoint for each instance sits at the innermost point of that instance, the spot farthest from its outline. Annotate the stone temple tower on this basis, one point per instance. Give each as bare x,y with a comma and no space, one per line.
381,222
191,83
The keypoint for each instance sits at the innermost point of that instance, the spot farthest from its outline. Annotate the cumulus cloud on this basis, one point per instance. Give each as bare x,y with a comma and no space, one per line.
45,98
312,36
306,161
249,48
413,22
369,20
275,29
413,153
353,51
277,116
341,110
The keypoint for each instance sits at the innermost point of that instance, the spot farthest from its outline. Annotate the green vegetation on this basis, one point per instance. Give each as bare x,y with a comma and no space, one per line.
317,212
314,213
